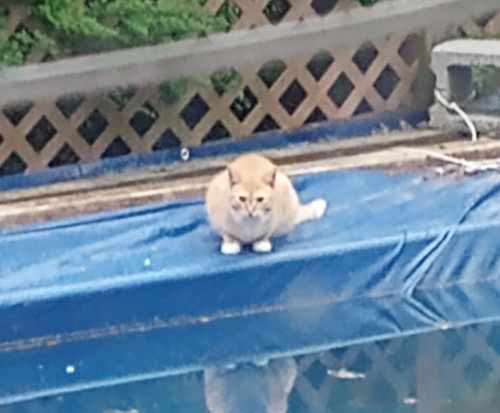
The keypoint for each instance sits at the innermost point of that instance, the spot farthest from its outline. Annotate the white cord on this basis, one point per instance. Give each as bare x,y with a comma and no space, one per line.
454,107
469,166
440,156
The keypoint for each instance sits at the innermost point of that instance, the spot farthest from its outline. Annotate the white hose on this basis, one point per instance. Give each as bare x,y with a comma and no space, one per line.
454,107
469,166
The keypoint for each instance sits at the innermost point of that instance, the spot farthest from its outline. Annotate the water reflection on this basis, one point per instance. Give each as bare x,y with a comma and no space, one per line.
250,388
453,371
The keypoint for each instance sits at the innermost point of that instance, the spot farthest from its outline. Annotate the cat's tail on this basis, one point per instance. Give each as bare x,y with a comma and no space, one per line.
313,210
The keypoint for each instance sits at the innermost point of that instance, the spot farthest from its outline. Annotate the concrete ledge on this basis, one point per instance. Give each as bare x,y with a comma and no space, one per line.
442,119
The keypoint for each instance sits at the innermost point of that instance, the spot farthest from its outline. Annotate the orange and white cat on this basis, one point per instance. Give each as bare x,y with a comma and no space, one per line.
251,202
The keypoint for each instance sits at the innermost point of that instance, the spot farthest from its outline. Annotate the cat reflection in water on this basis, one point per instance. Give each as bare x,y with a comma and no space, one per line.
251,202
249,388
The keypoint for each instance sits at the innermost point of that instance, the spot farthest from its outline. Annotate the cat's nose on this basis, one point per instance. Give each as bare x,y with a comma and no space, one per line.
251,211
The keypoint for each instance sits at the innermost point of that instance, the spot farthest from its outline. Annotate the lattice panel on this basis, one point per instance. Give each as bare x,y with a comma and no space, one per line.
468,375
382,378
277,95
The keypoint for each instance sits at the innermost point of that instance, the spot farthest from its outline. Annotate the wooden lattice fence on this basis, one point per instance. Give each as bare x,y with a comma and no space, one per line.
278,95
316,86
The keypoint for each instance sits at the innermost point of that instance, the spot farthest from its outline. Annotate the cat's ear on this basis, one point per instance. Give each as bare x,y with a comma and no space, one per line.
270,178
233,176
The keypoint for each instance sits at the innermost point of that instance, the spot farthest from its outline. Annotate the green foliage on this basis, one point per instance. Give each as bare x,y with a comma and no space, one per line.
230,12
14,50
73,18
73,27
222,81
226,80
485,80
3,17
102,25
172,91
121,96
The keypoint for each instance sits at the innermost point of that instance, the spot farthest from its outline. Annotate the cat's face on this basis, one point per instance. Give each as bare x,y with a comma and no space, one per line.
251,203
251,199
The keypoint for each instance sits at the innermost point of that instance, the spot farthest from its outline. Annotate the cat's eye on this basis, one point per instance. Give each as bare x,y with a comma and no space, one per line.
243,199
260,199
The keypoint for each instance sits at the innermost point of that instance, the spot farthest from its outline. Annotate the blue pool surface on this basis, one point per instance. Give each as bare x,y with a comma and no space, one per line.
144,294
455,371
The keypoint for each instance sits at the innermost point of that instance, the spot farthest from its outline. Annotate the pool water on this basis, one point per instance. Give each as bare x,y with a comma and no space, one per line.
455,370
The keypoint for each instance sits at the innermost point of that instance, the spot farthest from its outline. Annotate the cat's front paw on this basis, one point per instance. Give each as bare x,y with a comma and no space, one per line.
262,246
230,248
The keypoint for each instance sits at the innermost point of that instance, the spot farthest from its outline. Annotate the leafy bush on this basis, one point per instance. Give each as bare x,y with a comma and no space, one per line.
485,80
72,27
112,24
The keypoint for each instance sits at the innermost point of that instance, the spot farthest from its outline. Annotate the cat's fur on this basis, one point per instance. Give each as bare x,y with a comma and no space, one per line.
251,201
249,388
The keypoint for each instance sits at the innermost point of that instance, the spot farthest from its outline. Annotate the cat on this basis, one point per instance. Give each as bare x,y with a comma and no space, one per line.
249,388
251,202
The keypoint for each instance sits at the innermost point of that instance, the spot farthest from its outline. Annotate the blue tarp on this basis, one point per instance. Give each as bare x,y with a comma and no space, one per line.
145,292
